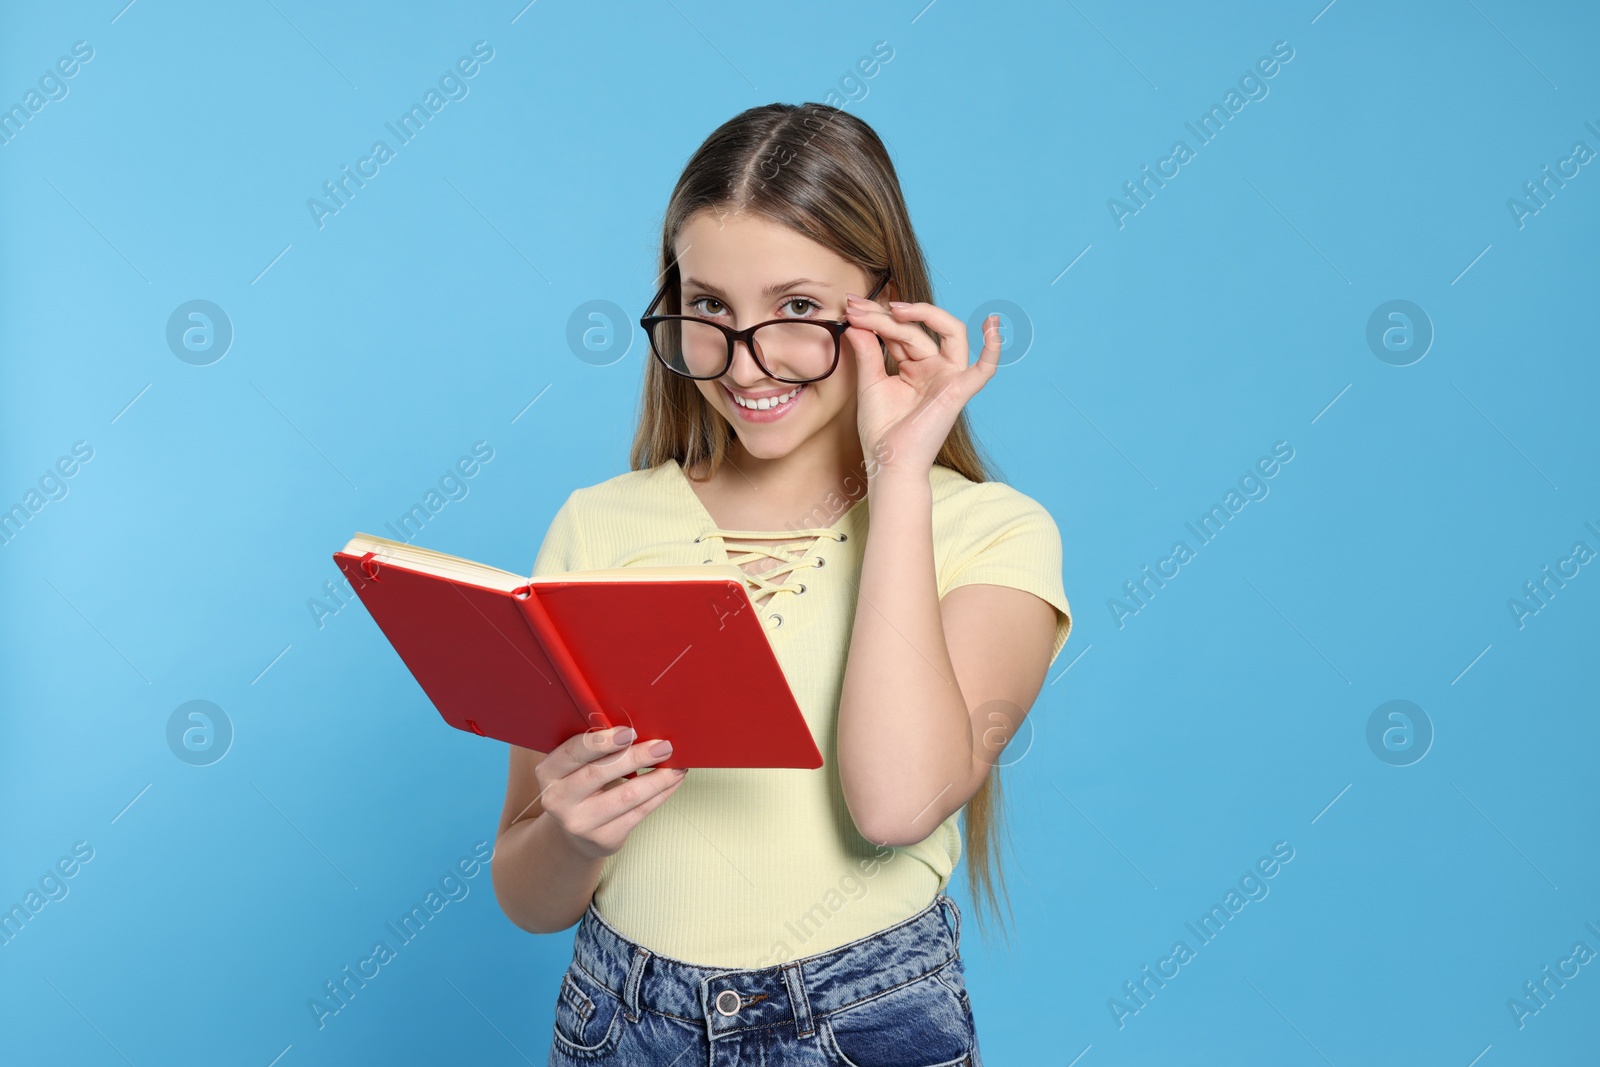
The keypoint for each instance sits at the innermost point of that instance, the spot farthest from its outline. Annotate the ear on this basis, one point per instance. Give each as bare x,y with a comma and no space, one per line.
890,290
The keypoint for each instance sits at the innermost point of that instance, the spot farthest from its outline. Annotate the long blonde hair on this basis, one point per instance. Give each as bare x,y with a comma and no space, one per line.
823,173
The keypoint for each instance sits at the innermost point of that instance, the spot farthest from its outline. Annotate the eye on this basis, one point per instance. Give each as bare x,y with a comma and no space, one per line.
810,304
697,301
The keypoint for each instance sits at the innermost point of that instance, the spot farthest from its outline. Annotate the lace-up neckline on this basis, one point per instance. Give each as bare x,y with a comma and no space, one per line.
748,546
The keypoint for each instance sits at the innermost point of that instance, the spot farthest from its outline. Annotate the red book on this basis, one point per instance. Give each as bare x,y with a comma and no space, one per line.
675,652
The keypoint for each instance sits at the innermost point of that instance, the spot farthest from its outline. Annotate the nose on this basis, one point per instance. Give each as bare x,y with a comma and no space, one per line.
744,372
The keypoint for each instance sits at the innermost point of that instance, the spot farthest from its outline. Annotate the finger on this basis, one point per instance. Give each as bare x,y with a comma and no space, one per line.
587,747
940,321
609,770
870,365
602,807
878,320
622,824
976,376
989,357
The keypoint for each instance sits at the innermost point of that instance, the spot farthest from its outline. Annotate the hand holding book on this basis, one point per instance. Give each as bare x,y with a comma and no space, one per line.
598,811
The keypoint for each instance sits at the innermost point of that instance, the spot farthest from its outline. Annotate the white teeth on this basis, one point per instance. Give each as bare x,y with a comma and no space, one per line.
765,402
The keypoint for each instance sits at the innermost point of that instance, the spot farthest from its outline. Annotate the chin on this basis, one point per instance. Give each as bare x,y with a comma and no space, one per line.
768,445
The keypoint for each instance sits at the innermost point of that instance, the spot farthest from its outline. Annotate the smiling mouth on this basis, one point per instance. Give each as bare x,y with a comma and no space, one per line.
768,403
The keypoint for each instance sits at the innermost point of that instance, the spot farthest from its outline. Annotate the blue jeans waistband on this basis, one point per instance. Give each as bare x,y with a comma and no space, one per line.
730,999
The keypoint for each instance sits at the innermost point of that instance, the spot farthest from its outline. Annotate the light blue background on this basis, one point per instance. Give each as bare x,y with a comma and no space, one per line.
1165,755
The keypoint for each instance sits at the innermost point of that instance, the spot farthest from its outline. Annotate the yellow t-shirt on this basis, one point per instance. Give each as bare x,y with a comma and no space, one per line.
754,867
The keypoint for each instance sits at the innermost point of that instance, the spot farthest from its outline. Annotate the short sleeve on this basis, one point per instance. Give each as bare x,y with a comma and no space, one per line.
563,548
1004,537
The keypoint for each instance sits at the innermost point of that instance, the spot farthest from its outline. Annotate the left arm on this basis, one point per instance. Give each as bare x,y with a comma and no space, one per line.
933,689
925,678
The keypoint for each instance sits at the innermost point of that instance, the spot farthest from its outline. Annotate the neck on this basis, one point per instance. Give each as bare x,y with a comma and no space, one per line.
810,486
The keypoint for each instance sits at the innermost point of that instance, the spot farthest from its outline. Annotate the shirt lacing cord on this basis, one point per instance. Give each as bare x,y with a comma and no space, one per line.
742,547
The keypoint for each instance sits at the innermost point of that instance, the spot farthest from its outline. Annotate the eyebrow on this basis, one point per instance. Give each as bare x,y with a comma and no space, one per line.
771,290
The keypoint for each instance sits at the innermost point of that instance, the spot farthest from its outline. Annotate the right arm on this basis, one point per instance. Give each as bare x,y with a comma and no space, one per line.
565,813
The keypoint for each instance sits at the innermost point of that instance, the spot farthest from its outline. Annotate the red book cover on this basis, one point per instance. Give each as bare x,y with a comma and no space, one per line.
675,652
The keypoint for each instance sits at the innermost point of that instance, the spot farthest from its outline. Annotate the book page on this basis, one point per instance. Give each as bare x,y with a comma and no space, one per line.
456,568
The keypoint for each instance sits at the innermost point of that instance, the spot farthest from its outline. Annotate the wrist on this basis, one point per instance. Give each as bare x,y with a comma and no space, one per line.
898,481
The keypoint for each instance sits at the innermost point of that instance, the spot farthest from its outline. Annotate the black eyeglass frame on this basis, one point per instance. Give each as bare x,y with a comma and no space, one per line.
834,326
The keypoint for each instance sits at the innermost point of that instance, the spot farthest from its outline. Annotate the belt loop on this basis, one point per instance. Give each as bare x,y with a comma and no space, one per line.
950,904
795,980
630,986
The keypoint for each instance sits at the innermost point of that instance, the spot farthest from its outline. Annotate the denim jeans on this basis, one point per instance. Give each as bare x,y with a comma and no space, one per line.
897,998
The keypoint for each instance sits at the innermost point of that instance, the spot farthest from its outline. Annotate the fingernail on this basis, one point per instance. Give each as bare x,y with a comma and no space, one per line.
851,298
623,736
661,748
898,304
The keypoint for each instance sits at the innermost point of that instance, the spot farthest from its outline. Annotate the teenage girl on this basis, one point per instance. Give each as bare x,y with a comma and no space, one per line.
802,419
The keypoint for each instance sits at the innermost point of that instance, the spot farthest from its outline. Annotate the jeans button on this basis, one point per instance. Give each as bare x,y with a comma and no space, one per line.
728,1002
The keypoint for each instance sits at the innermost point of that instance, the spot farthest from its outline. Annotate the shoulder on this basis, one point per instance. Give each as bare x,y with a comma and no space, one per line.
597,523
964,509
994,534
628,493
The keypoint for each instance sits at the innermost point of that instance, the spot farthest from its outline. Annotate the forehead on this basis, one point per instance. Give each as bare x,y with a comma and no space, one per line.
743,249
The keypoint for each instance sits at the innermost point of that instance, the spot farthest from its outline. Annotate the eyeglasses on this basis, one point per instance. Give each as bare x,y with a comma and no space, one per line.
789,350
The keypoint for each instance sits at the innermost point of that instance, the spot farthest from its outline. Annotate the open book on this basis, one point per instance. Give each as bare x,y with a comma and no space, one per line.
675,652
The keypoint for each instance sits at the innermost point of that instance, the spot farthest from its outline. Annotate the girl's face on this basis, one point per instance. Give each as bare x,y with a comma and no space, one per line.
738,270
